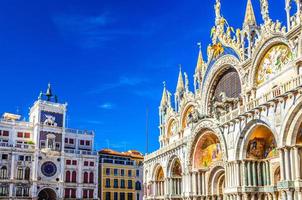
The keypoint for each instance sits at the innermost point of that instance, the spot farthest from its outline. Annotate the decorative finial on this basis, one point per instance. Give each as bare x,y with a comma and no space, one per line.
164,83
199,45
48,93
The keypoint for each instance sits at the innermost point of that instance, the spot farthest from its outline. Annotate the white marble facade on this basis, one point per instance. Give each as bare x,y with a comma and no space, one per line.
41,159
238,134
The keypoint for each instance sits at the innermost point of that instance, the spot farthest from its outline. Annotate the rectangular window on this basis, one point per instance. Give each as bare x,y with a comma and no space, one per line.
20,135
91,164
129,173
122,196
4,156
26,135
122,172
115,196
107,183
108,195
71,141
21,158
108,171
26,192
130,196
115,172
90,194
20,174
19,191
115,184
82,142
5,133
129,184
27,158
73,193
137,172
85,163
66,140
68,162
74,162
122,183
85,195
87,143
137,196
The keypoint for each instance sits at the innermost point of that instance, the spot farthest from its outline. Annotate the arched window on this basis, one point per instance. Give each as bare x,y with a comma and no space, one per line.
74,176
27,173
20,173
91,177
3,173
67,177
138,186
85,177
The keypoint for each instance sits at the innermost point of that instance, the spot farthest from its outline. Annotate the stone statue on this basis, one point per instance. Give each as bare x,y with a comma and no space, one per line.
264,10
50,121
186,82
217,9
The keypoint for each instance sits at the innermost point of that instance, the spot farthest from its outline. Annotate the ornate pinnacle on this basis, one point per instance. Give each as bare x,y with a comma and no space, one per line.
250,19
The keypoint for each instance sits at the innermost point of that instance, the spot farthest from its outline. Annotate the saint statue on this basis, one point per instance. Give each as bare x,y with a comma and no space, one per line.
264,10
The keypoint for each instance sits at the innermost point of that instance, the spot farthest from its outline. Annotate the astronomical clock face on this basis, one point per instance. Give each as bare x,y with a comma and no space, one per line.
273,62
49,169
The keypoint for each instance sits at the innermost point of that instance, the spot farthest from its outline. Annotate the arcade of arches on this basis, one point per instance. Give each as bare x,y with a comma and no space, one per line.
238,134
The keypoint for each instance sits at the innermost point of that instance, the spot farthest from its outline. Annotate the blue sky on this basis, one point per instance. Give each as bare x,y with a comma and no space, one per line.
106,58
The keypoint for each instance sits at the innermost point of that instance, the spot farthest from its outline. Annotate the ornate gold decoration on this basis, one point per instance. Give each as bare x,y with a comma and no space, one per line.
273,62
172,128
217,49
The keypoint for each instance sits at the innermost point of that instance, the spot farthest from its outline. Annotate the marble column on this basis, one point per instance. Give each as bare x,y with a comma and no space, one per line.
297,163
264,173
259,173
198,184
287,165
254,174
249,175
194,183
289,195
267,164
282,174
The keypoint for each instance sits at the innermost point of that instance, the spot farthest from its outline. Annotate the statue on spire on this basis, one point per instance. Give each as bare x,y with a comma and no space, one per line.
264,10
217,9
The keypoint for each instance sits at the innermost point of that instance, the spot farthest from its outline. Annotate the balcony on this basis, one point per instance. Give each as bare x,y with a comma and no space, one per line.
80,152
79,132
19,146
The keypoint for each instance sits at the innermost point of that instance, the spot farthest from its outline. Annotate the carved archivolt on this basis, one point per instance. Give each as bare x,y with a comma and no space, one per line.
263,49
202,127
220,65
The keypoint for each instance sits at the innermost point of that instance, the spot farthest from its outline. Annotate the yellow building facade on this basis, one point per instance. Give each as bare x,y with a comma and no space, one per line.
120,175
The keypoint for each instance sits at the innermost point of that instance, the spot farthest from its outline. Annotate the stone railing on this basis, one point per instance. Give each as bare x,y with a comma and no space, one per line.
80,152
269,96
165,149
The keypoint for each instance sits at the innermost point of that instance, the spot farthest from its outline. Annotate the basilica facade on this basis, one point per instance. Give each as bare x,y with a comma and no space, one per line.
238,134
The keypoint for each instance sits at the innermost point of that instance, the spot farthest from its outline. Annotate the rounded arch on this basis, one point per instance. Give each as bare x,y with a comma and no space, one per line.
261,51
256,130
216,181
292,123
47,194
171,163
221,66
158,173
186,112
172,127
202,127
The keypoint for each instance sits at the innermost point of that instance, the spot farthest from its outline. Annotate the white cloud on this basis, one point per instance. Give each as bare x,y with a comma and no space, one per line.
107,106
